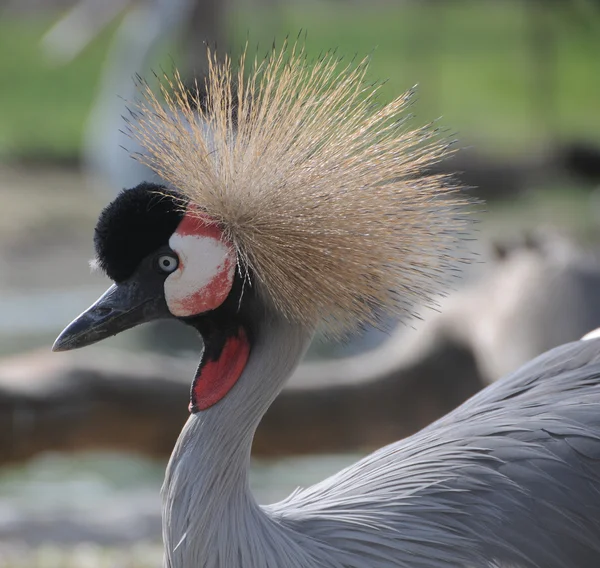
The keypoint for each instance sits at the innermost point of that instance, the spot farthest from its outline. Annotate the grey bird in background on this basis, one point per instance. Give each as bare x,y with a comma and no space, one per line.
308,208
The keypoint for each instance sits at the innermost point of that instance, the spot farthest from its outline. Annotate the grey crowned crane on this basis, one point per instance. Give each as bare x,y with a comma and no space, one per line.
309,206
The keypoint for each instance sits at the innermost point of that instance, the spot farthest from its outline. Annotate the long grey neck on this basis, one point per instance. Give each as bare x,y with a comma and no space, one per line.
207,504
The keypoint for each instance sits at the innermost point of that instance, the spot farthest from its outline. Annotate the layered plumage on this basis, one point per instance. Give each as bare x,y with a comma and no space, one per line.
508,479
322,190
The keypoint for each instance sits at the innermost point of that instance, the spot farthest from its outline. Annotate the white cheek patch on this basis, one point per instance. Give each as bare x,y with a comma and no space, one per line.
204,276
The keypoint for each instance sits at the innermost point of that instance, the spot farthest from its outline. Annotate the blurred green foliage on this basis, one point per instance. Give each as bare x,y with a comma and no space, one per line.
43,107
472,60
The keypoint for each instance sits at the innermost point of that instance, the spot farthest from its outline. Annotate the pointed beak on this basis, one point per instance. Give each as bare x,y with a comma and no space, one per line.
121,307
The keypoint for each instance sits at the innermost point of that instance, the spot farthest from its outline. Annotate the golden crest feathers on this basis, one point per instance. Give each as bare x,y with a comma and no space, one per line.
323,192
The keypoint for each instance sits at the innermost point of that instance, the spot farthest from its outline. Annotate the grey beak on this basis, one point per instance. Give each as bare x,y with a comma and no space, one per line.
121,307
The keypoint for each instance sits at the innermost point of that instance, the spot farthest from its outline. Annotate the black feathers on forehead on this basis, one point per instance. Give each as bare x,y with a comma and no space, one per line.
136,223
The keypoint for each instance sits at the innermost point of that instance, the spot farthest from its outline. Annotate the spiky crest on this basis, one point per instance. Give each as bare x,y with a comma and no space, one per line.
323,192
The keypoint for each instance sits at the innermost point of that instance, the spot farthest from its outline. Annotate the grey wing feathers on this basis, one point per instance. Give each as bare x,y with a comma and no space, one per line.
510,478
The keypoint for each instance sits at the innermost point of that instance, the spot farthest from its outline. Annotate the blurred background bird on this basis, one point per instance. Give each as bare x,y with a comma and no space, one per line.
82,458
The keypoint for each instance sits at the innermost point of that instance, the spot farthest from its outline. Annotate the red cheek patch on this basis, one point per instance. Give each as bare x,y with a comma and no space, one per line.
206,269
217,377
197,224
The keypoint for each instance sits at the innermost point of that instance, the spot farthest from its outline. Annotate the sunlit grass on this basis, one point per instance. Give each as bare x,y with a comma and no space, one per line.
470,58
472,61
42,107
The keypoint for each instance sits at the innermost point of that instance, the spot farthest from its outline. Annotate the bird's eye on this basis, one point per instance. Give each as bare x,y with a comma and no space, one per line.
167,263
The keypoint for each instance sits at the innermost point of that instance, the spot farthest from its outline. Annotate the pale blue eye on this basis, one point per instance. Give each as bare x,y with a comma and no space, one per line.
167,263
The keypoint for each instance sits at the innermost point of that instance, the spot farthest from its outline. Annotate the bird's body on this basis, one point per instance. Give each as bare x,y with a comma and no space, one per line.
309,205
509,479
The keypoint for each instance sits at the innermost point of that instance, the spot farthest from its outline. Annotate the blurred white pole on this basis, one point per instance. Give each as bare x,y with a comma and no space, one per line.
80,25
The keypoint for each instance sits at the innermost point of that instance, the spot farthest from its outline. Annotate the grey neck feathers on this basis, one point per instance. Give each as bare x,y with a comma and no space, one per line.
207,504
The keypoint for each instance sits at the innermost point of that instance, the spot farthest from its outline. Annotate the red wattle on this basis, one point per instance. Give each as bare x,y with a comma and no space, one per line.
217,378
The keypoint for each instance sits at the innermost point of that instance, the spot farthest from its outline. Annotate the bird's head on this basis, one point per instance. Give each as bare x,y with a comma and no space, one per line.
294,177
167,260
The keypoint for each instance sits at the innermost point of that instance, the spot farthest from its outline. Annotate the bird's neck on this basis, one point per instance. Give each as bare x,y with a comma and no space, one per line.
207,504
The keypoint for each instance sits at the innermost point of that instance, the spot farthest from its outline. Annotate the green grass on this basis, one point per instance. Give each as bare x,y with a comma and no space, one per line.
470,58
42,107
